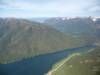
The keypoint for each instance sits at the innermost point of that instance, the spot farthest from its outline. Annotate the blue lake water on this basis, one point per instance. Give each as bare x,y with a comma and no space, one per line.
38,65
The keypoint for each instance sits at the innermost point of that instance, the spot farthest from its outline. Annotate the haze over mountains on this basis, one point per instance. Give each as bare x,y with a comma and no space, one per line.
72,25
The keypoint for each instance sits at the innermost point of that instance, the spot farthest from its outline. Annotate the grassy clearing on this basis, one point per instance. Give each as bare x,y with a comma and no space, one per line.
83,64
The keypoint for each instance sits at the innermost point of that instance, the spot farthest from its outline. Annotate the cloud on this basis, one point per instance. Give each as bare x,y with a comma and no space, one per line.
94,9
25,8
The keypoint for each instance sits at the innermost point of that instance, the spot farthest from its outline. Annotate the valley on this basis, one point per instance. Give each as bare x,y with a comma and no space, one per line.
53,46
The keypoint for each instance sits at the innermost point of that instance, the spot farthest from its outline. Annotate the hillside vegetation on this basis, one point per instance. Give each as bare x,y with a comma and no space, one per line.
81,64
20,38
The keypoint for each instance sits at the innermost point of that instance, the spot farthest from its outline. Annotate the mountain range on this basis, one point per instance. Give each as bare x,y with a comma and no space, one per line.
21,38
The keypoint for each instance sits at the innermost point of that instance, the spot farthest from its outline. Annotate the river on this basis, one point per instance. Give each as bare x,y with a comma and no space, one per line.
38,65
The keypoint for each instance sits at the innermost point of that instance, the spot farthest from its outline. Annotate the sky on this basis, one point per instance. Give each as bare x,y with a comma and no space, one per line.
49,8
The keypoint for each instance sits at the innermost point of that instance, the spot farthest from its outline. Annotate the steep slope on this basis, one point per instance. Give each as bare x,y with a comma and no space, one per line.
79,64
21,38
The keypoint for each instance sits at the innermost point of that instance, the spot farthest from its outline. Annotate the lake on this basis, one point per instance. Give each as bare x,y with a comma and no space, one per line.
39,65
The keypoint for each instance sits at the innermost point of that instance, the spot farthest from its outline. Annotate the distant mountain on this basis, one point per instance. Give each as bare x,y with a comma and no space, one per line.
78,27
83,64
83,26
97,32
20,38
40,19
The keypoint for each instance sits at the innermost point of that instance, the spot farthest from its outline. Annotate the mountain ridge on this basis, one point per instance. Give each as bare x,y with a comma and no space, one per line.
21,38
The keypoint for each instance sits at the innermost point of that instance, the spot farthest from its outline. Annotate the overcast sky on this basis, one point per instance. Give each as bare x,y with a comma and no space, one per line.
49,8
